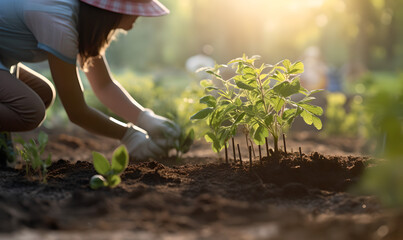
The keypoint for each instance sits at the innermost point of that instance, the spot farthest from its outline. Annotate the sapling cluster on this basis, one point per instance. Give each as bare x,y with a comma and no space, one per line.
109,173
258,99
31,152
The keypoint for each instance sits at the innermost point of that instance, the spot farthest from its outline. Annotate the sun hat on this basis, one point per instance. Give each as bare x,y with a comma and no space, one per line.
144,8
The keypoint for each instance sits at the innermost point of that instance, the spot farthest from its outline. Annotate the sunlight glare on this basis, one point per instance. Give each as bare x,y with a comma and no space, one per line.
297,5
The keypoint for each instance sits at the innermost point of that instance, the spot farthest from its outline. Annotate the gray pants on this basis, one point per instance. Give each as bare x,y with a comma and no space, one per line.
24,98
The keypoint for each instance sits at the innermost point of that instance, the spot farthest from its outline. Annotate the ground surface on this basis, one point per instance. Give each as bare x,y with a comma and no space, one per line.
288,197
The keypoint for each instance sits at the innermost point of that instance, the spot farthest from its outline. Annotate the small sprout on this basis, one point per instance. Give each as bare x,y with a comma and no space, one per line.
182,145
31,153
98,181
186,137
109,174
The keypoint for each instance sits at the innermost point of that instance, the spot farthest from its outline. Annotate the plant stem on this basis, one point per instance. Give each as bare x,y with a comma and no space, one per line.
275,141
226,153
300,153
40,173
267,146
240,156
285,146
233,148
26,169
260,155
253,149
247,140
262,94
250,158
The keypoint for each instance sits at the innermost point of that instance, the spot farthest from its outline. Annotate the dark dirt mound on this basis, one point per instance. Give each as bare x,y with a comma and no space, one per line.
284,196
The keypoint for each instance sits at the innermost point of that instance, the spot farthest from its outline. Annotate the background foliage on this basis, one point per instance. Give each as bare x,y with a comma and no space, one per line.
364,32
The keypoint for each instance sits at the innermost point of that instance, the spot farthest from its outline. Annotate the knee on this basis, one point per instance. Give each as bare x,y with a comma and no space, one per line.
34,117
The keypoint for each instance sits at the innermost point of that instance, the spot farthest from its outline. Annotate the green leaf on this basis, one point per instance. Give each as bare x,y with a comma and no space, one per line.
188,141
238,102
211,88
236,60
239,118
36,161
307,116
223,135
203,69
268,120
311,108
243,85
317,122
214,74
263,76
277,103
101,164
210,137
287,89
202,113
297,68
260,134
120,160
307,99
228,109
48,161
209,100
206,83
98,181
315,91
289,113
279,76
248,71
114,181
287,65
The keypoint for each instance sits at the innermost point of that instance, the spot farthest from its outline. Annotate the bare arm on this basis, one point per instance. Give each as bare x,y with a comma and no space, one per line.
68,85
111,93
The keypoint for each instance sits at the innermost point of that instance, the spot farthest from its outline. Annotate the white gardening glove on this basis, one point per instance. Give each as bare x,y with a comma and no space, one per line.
162,131
139,144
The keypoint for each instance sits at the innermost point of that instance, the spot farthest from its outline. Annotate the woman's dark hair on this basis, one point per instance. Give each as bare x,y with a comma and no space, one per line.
96,29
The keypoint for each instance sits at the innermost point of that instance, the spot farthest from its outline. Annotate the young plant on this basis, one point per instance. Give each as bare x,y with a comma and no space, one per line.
109,174
31,152
223,112
182,145
187,133
259,98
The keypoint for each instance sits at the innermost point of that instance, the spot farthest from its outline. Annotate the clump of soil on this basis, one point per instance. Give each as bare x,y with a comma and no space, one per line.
332,173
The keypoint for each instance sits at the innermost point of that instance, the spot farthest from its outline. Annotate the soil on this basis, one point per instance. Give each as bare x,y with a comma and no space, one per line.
283,196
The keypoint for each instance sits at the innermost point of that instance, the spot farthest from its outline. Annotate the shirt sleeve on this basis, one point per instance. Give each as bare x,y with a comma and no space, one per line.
56,32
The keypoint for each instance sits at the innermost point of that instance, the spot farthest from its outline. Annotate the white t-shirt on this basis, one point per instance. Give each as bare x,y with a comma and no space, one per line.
29,29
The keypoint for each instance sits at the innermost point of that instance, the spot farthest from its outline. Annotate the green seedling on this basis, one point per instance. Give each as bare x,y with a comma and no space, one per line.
184,141
261,99
182,145
109,174
31,152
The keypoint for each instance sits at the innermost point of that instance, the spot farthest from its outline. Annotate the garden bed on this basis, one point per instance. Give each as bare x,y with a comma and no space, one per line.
289,196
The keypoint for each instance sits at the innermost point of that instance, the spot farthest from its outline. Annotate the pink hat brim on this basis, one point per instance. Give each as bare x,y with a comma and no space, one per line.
152,8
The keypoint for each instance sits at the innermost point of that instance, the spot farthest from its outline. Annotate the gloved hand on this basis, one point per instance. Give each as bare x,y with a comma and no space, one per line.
162,131
139,144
